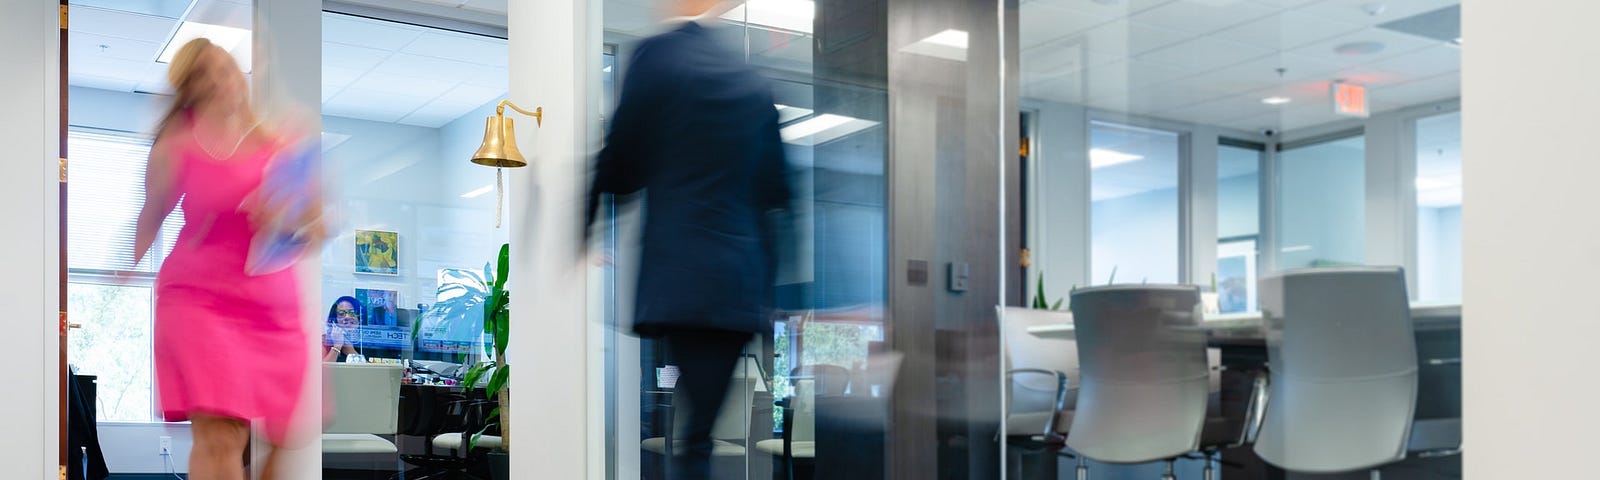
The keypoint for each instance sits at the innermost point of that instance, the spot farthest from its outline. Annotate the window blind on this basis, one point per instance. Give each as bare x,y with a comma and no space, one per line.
105,192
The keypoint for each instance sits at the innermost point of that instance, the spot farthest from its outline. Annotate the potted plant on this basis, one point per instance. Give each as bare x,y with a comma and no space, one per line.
496,324
1209,299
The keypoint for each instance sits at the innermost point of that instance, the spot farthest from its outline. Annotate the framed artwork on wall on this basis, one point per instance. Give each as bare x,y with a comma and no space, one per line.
377,252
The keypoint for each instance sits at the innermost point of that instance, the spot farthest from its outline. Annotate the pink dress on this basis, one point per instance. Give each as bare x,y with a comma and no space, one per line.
226,343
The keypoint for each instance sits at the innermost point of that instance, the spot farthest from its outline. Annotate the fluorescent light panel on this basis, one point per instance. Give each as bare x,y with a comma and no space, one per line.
478,192
786,15
813,126
1100,157
236,41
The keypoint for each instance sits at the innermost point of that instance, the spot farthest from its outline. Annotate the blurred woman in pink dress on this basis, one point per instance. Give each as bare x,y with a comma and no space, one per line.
231,349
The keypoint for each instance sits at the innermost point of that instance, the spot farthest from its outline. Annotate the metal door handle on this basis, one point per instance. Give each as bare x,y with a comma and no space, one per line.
74,325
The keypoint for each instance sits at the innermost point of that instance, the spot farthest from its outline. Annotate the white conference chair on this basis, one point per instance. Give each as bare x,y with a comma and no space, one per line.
729,434
1143,397
1039,372
1342,357
366,404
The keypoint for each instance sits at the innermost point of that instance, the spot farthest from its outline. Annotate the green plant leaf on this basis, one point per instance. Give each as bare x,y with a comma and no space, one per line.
1057,306
473,375
504,267
1113,279
494,415
1038,296
498,380
472,443
502,333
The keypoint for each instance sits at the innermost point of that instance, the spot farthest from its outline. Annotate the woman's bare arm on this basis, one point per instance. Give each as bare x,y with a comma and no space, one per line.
160,195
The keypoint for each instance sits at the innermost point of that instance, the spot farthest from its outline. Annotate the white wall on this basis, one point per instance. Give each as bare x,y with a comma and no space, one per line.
136,447
409,180
1530,251
29,203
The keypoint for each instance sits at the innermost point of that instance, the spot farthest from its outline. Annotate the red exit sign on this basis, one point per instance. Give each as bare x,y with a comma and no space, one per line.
1350,99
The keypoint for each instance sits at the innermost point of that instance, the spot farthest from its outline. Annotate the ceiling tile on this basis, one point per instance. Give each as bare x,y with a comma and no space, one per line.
1262,72
491,77
1432,89
155,79
103,83
1394,44
1205,53
424,88
1427,62
371,105
353,57
365,32
131,26
1287,30
427,67
1355,11
1124,38
82,47
340,76
461,47
471,95
1202,17
1039,23
1133,74
108,67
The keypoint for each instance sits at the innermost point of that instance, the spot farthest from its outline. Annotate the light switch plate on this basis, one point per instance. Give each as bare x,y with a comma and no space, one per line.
960,275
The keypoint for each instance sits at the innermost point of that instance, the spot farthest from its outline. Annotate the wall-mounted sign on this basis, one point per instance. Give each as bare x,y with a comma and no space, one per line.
1350,100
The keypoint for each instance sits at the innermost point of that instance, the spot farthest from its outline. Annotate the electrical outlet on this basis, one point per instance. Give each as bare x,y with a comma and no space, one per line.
166,446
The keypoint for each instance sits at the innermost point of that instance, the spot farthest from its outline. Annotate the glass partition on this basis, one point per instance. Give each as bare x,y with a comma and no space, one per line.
1438,186
1238,224
405,276
1322,204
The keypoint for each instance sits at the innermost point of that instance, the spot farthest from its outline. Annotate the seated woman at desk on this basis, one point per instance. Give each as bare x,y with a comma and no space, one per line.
344,322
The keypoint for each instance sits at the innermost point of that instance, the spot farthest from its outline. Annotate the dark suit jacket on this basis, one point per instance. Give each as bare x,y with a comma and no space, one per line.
697,131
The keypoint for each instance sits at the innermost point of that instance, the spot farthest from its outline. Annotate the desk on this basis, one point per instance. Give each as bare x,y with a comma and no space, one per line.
1246,328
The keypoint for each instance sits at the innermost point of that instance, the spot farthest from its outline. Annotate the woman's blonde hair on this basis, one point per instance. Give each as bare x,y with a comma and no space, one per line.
182,72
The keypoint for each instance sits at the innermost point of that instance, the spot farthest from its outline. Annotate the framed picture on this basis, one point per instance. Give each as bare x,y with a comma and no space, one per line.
377,252
382,306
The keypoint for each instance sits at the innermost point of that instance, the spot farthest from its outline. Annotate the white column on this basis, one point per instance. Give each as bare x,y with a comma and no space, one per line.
1201,206
1390,173
1058,216
30,91
556,416
288,75
1532,262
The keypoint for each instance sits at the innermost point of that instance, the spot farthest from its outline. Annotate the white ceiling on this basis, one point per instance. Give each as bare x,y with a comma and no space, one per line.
1212,61
372,70
398,73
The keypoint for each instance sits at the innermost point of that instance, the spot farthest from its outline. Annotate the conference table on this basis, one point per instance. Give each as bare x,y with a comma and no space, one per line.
1228,329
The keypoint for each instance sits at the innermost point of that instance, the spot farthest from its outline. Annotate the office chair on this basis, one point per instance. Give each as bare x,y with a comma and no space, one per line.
729,434
1342,357
1039,373
799,440
432,411
366,404
1145,373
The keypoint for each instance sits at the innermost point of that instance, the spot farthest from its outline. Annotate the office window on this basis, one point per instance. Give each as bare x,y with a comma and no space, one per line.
1322,204
1439,208
1238,224
104,195
1134,204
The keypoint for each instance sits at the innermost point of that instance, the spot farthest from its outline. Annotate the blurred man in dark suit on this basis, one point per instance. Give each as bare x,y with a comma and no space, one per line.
697,131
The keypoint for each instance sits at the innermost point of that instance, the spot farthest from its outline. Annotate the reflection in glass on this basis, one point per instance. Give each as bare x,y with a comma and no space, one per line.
1238,225
1134,204
1322,204
1439,208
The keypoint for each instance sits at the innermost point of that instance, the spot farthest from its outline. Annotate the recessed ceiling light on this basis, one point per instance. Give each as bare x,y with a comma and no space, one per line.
1359,48
1276,100
1101,157
236,41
